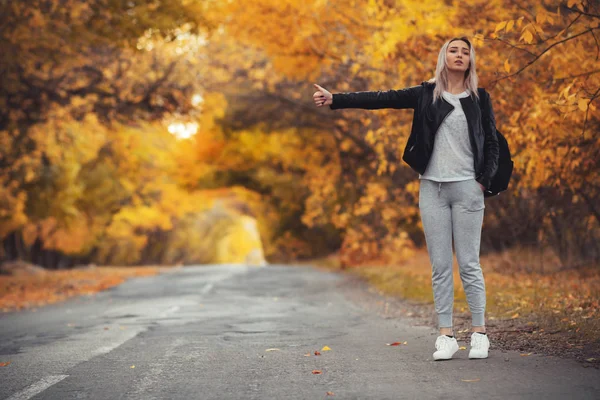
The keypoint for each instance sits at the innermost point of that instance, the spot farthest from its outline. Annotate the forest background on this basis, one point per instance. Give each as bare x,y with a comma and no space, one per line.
152,132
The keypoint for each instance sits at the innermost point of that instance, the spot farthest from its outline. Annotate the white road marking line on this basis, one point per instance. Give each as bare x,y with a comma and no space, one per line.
122,338
67,349
207,288
152,378
37,387
105,349
169,311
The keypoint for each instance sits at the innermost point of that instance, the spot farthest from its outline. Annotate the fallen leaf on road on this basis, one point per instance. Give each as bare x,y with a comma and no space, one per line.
307,355
316,372
317,353
462,348
4,364
326,348
272,350
470,380
393,344
590,359
106,328
515,315
405,343
525,354
330,393
133,366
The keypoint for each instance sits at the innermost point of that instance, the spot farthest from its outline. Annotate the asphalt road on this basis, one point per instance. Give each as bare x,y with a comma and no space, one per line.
235,332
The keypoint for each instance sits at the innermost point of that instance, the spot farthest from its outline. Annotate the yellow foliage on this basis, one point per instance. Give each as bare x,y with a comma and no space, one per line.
89,162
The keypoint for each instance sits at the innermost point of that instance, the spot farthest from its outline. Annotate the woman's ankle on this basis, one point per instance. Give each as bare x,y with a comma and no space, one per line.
446,331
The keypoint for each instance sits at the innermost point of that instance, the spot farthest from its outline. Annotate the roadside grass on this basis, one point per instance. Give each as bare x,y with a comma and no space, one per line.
551,301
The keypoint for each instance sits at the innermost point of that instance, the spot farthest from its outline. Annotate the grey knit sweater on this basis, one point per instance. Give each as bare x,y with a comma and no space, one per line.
452,157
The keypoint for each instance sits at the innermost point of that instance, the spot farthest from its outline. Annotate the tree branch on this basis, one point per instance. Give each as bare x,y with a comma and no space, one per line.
542,53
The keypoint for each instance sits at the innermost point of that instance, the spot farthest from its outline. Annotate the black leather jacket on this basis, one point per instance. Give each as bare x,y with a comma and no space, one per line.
427,119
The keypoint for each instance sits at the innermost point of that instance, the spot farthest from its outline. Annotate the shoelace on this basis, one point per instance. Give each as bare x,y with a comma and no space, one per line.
444,342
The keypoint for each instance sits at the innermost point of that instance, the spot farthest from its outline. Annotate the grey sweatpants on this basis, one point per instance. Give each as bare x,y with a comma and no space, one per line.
454,209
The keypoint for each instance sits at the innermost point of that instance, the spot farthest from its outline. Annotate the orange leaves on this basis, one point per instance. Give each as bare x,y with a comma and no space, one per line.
544,16
36,19
527,34
568,295
318,353
26,291
507,26
332,173
578,3
576,101
500,26
507,66
4,364
510,25
79,10
530,30
396,343
583,104
81,165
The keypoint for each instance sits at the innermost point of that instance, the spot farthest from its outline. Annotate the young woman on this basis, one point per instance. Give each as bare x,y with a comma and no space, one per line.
454,171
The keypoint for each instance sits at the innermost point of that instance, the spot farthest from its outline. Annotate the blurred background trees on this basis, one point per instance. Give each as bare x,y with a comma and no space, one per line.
148,131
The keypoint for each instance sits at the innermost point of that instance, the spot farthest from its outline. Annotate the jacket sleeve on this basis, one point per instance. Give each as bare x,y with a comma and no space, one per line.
491,149
402,98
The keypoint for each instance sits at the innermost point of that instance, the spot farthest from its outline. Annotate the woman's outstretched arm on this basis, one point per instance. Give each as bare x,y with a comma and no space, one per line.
403,98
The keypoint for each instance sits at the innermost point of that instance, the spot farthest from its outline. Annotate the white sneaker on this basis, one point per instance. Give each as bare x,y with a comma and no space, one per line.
446,347
480,344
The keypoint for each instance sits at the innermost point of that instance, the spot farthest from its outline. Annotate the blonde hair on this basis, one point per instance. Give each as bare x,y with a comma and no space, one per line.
441,71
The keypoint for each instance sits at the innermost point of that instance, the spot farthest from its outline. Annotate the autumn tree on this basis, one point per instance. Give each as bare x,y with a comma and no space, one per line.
85,153
526,52
86,166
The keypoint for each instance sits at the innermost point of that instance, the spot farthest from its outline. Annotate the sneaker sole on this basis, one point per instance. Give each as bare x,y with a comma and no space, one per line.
442,359
477,357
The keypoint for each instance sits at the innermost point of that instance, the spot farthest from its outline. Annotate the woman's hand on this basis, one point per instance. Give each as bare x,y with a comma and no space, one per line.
322,97
481,186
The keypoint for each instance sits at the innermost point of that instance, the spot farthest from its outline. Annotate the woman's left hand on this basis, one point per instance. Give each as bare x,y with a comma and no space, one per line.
481,186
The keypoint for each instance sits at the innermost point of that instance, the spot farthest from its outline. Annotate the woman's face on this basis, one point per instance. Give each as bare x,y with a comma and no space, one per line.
457,56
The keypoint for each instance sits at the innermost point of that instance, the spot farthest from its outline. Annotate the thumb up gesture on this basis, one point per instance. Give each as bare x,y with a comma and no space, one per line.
322,97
